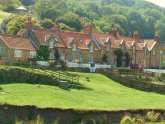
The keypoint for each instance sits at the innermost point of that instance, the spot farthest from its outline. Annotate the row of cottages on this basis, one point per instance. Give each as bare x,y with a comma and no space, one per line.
86,46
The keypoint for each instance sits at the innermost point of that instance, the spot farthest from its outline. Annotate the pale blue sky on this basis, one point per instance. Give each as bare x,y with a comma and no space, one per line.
158,2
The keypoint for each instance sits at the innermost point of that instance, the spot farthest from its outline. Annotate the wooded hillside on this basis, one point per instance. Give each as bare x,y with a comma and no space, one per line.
127,15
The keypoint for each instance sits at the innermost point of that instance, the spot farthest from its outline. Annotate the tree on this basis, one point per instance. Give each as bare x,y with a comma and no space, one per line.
56,54
50,14
27,2
47,23
43,52
104,58
119,55
127,61
72,20
18,23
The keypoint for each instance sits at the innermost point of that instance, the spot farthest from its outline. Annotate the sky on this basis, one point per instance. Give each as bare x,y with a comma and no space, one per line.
158,2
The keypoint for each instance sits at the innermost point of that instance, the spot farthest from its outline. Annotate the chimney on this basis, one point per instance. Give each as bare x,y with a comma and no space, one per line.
57,27
156,37
136,35
87,28
29,23
114,31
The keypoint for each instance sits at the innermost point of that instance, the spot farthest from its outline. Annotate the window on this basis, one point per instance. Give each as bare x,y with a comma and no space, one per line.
32,54
108,47
62,56
154,53
74,47
51,55
18,53
91,48
51,45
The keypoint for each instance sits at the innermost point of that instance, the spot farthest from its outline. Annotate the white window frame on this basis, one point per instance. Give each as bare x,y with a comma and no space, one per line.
33,54
74,47
91,48
17,53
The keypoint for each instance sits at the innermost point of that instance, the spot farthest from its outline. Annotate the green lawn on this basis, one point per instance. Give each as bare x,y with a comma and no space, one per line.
105,94
4,15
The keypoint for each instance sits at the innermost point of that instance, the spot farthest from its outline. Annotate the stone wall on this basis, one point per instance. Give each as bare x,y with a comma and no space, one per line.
140,85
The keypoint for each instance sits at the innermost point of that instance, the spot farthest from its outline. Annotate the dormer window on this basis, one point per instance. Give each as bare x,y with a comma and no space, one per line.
108,47
74,48
91,48
51,45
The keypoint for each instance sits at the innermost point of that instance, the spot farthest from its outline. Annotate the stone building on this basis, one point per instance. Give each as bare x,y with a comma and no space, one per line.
86,46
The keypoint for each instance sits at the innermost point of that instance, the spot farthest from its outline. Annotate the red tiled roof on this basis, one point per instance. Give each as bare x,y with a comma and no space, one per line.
17,42
102,39
43,35
82,39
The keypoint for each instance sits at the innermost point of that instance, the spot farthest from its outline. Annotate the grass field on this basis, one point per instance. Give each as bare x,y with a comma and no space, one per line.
4,15
104,94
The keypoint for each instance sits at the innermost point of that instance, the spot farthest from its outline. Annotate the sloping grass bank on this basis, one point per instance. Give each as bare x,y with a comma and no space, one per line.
104,94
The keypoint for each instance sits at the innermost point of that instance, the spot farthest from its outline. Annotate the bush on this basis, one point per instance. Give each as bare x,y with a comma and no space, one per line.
127,120
47,24
153,117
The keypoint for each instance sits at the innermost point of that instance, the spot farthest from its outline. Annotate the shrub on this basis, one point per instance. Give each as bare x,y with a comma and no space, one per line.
153,117
1,89
127,120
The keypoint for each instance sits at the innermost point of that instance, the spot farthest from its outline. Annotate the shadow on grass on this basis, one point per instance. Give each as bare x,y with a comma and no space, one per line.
10,75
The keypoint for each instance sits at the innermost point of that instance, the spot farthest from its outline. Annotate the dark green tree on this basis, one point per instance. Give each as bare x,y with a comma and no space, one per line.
43,52
104,58
47,23
128,58
119,55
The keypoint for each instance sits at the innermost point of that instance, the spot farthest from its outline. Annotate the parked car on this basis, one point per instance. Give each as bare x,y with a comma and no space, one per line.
136,66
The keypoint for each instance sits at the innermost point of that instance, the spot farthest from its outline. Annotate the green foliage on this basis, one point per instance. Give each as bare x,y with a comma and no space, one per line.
50,14
9,5
119,55
43,52
128,58
128,15
127,120
47,23
72,20
18,23
104,58
27,2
